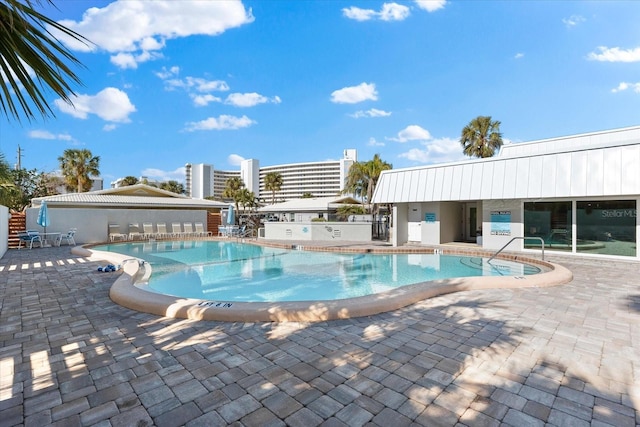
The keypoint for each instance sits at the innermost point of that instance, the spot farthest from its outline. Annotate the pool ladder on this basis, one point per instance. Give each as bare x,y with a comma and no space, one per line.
516,238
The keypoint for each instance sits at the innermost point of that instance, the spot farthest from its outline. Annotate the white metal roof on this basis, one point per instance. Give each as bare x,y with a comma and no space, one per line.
139,195
606,164
312,204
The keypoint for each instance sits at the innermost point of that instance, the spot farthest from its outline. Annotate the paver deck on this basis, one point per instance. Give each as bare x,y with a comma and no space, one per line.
566,355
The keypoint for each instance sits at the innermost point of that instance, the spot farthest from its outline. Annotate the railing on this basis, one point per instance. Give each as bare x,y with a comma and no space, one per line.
516,238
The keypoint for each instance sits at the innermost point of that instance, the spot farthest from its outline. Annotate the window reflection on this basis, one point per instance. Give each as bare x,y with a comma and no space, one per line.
606,227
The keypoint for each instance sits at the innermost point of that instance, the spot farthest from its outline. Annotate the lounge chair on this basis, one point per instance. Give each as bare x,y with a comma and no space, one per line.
176,229
68,237
147,231
115,234
162,232
31,237
200,231
134,232
188,230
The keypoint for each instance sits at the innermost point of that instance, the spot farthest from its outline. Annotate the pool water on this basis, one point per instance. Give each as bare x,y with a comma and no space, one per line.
229,271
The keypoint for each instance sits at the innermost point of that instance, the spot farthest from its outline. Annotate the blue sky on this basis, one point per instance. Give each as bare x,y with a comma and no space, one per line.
169,83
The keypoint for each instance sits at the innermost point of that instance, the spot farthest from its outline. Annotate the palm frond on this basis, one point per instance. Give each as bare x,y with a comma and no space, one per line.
33,60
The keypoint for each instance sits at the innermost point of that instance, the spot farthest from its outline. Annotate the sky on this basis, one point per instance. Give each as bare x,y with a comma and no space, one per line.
167,83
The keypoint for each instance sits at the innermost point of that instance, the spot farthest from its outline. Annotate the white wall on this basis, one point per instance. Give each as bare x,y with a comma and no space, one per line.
431,230
4,230
399,231
92,224
337,231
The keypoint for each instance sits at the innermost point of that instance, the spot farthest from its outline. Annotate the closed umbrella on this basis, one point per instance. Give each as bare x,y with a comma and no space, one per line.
43,216
231,216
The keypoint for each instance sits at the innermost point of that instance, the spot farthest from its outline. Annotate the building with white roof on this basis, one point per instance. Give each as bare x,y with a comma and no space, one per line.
92,212
578,193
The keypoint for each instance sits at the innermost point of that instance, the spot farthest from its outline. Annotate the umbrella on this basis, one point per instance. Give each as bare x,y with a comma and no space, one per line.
231,217
43,216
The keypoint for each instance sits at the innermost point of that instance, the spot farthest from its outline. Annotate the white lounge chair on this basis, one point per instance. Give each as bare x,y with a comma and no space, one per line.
134,232
162,232
200,231
188,230
176,230
147,231
115,234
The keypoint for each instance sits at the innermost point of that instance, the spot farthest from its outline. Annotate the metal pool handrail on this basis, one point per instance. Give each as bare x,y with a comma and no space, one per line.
516,238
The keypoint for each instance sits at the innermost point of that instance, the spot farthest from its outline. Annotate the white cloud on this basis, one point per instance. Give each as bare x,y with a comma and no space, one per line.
161,175
519,55
370,113
223,122
127,60
615,54
110,104
249,99
374,143
388,12
109,127
45,134
573,20
235,159
359,14
431,5
204,100
140,27
355,94
412,133
627,86
442,150
166,73
394,12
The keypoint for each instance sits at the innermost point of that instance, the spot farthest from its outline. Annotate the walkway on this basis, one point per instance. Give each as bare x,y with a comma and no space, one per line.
566,355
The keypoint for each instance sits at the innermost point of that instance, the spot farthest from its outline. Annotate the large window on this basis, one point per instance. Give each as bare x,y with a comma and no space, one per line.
549,220
606,227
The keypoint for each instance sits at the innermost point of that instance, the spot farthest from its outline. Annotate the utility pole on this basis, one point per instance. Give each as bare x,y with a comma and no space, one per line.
19,156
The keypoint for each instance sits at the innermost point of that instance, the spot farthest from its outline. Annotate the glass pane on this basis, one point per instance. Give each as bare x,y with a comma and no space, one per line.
607,227
550,221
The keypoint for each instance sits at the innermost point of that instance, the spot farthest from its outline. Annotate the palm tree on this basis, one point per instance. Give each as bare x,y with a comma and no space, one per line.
246,198
355,183
129,180
231,189
363,178
77,167
173,186
273,183
32,58
481,137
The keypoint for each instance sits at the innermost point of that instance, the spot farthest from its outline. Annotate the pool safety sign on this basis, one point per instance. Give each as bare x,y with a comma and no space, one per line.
501,223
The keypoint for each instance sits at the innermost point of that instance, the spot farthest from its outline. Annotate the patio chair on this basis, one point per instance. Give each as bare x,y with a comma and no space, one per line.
162,232
188,230
134,231
200,231
68,237
115,234
176,229
147,231
29,236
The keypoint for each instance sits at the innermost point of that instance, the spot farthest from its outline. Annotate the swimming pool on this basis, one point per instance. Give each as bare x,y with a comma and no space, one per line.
237,272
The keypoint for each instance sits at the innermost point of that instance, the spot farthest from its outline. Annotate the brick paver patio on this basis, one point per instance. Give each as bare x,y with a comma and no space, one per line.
565,356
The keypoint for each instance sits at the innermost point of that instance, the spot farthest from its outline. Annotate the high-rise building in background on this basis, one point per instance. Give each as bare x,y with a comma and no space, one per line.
319,179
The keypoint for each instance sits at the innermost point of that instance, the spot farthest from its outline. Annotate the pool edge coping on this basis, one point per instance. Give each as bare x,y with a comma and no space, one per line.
125,293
